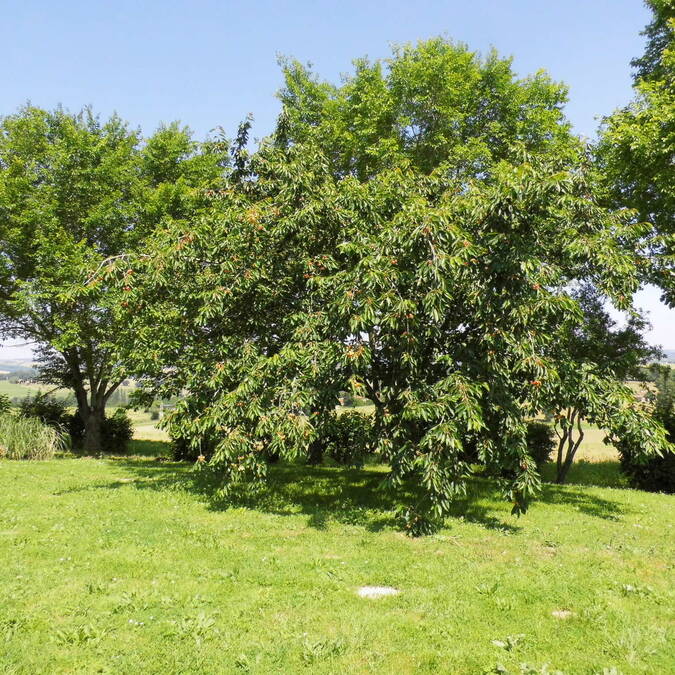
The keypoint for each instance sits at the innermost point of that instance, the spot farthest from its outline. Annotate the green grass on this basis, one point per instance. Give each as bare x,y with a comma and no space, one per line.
14,390
20,391
127,566
145,447
597,473
145,427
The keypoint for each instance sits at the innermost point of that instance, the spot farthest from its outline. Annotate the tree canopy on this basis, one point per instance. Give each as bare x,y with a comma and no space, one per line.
413,235
637,149
74,192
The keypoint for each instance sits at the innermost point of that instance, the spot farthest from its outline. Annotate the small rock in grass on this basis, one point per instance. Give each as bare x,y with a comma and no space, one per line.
376,591
561,613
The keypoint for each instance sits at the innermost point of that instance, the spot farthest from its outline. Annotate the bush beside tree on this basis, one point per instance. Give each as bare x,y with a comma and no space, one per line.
347,438
654,473
46,408
540,442
116,431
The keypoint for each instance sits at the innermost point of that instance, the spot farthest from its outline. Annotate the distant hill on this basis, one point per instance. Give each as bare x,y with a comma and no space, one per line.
668,358
17,367
12,365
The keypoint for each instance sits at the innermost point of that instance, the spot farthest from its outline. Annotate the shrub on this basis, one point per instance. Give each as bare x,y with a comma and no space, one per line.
653,474
117,431
75,427
28,438
540,442
345,438
46,408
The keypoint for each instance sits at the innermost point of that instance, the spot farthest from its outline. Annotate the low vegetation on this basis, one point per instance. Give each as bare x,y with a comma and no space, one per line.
130,566
28,438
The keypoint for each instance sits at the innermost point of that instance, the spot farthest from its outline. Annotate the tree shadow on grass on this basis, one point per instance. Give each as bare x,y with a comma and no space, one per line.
582,501
335,494
159,451
323,493
593,474
587,474
147,448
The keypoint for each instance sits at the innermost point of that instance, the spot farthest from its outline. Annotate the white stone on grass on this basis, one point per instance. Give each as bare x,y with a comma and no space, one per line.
562,613
376,591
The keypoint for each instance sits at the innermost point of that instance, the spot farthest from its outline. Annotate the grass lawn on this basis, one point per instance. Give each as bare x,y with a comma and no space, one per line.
126,566
145,427
20,391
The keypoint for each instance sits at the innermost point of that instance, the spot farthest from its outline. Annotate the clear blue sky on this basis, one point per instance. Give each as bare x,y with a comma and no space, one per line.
209,63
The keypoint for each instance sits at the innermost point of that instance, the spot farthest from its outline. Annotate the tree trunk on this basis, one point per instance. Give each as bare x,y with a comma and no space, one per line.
571,451
563,436
93,431
92,396
567,439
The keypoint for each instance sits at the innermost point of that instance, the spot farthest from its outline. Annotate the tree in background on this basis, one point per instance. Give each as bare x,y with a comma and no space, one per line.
75,192
410,236
637,148
615,353
637,156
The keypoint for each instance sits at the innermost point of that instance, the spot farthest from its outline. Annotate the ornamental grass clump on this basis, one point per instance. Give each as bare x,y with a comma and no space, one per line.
28,438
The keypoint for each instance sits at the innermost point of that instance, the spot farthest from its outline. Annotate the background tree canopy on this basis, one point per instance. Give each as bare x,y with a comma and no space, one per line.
414,235
637,148
74,192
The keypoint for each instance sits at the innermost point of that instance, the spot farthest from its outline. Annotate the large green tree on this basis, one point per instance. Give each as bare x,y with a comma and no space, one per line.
75,192
412,235
637,148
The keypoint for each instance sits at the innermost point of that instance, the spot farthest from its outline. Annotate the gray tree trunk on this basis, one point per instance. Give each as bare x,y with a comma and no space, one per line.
93,431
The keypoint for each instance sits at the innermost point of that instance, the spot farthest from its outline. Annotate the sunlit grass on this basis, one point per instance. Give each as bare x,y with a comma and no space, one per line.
129,566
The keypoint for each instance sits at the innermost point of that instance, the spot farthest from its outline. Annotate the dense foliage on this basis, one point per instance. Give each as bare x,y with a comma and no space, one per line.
74,192
656,474
347,438
638,143
540,442
410,236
